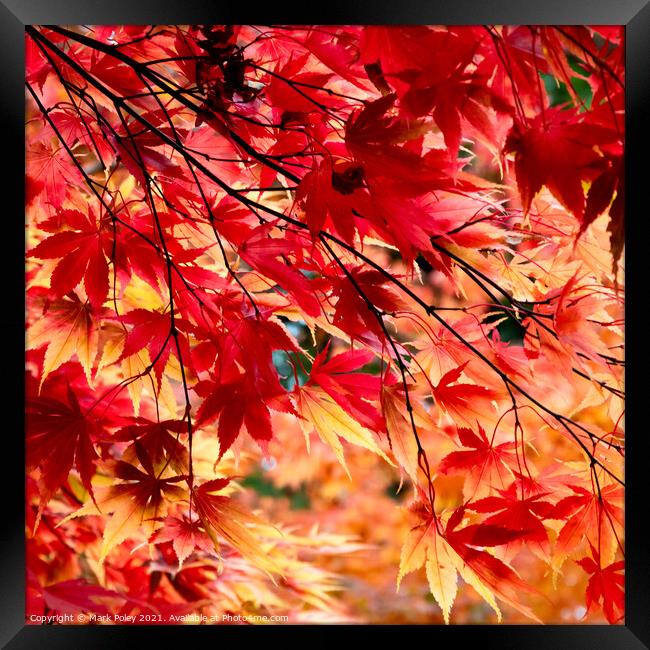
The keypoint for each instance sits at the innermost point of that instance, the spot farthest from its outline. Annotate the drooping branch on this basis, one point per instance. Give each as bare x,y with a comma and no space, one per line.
193,163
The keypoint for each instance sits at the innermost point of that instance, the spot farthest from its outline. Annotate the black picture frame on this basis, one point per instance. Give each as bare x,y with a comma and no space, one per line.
15,14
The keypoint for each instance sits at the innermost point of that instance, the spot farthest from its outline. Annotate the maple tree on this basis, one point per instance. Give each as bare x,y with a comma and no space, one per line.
315,313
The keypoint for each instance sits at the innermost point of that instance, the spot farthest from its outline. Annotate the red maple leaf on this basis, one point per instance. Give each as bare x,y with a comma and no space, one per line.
153,330
523,514
60,435
606,587
82,253
501,579
79,596
185,535
559,152
261,251
484,462
334,190
235,403
158,439
350,389
598,517
463,401
353,314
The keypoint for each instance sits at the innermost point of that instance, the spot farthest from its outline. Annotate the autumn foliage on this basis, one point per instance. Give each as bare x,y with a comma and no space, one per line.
325,324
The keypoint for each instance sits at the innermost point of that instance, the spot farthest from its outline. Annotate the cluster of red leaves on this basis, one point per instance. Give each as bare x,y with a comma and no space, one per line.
240,233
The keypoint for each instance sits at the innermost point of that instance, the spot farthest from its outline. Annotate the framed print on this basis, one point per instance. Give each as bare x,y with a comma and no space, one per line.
322,319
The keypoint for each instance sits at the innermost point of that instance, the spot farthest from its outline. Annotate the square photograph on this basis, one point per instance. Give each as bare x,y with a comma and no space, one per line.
325,324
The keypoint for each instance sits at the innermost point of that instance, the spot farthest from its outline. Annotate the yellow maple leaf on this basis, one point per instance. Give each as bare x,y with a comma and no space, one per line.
400,429
222,517
68,330
425,545
137,503
331,422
